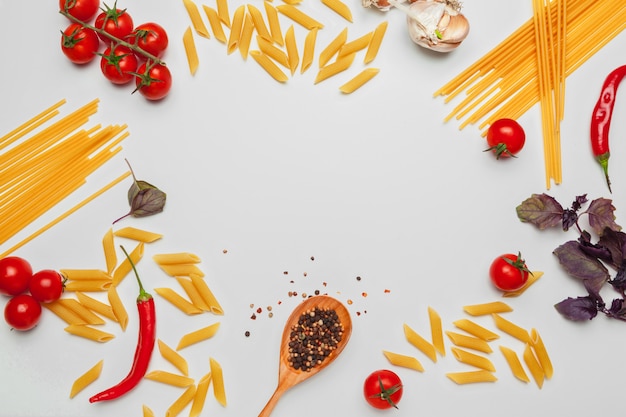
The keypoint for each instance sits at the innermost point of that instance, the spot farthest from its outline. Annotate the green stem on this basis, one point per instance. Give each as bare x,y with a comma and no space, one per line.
143,295
117,40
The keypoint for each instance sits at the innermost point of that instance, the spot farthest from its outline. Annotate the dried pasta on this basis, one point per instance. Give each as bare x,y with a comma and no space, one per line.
269,66
198,336
173,357
533,366
89,333
169,378
178,301
207,295
217,377
245,38
184,270
375,42
146,411
340,65
222,12
293,57
476,329
190,50
487,308
64,313
200,396
473,359
139,235
181,402
542,353
118,307
472,377
436,331
91,285
96,306
273,52
359,80
332,48
274,23
299,16
176,258
420,343
514,364
196,19
125,267
511,328
470,342
259,23
86,379
216,23
309,50
355,45
340,8
85,274
110,255
235,29
404,361
192,292
86,315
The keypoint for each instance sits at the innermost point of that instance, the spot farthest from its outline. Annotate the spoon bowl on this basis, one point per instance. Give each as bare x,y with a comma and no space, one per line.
288,375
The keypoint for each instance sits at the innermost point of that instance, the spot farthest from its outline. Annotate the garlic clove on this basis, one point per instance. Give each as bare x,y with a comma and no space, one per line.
437,24
382,5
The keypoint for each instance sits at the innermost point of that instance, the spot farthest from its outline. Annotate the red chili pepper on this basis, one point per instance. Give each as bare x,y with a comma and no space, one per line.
601,119
145,346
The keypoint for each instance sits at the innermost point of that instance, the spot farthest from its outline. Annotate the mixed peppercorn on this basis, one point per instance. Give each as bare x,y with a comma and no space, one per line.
314,338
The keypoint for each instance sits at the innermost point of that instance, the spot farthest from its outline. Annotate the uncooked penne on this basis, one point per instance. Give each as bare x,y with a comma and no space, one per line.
375,42
293,57
176,258
217,376
207,295
110,254
96,306
340,65
476,329
147,411
245,39
222,11
542,353
514,363
511,328
89,333
277,54
487,308
178,301
125,267
269,66
200,396
86,379
470,342
404,361
473,359
181,402
340,8
86,315
533,365
196,19
216,23
118,307
235,29
274,23
436,331
173,357
309,50
85,274
355,45
138,235
420,343
197,336
90,285
333,47
169,378
359,80
192,292
298,16
181,270
259,23
190,51
472,377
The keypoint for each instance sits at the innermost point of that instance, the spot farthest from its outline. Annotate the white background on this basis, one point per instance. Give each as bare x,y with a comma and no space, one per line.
372,185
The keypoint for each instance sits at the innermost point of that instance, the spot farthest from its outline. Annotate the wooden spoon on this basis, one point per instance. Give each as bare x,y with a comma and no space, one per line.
289,376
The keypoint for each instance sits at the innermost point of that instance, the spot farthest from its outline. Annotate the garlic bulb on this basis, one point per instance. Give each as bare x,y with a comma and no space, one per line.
436,24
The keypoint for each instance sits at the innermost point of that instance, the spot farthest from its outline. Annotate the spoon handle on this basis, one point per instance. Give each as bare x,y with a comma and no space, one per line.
267,410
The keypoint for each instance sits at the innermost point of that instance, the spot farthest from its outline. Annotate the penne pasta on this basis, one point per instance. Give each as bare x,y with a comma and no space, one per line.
309,50
176,258
245,39
217,377
86,379
215,22
196,19
273,52
514,364
86,315
173,357
181,402
473,359
533,365
181,270
274,23
207,295
511,328
124,268
375,42
147,411
222,11
436,331
298,16
118,307
487,308
340,8
541,353
333,47
110,255
92,285
340,65
198,336
532,278
64,313
420,343
355,45
89,333
472,377
139,235
359,80
190,51
85,274
469,342
259,23
193,293
269,66
178,301
200,396
404,361
169,378
475,329
293,58
235,29
96,306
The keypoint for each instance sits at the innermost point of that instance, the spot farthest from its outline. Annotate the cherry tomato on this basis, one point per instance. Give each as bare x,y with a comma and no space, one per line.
153,80
150,37
15,275
79,44
505,138
383,389
508,272
22,312
84,10
118,64
115,22
46,286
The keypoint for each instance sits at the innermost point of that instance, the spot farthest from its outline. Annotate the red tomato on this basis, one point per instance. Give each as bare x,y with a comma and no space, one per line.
153,80
383,389
116,22
22,312
150,37
505,138
508,272
84,10
118,64
46,286
79,44
15,274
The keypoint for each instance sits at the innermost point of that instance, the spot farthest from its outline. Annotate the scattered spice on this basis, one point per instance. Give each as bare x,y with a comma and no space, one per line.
285,272
349,301
247,333
314,338
224,250
358,278
312,258
259,310
364,294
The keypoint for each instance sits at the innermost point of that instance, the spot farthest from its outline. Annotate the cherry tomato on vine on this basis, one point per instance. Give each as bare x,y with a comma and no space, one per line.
79,44
118,64
508,272
15,275
115,22
150,37
84,10
505,138
383,389
22,312
153,81
46,285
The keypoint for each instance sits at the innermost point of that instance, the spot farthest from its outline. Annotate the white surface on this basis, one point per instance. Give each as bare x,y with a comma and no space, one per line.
373,185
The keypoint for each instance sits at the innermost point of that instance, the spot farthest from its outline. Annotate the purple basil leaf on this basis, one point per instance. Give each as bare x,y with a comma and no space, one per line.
602,215
617,309
540,210
578,203
615,243
569,219
593,289
577,309
619,282
595,250
580,265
